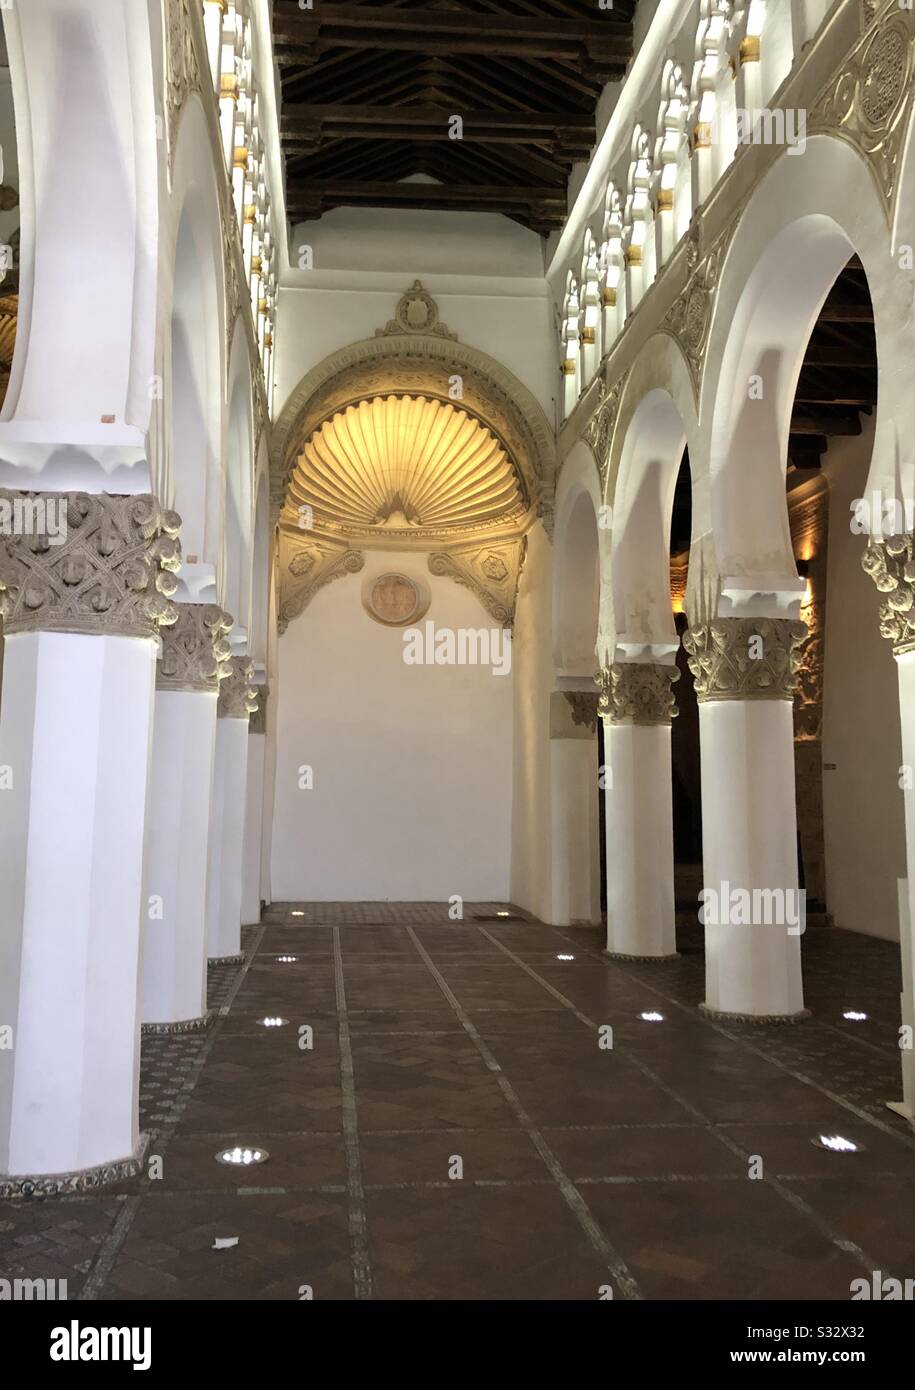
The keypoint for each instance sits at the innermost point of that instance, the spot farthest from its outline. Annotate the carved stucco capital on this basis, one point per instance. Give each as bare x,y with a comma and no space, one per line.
97,564
891,566
637,693
195,654
745,658
237,696
258,721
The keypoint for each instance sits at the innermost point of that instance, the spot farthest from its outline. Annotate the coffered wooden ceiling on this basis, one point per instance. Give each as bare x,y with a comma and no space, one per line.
368,89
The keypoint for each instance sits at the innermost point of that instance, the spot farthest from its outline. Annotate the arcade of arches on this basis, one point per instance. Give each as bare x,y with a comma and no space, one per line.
457,722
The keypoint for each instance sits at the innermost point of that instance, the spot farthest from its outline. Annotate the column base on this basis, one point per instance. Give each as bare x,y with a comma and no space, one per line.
755,1018
79,1181
182,1025
623,955
226,960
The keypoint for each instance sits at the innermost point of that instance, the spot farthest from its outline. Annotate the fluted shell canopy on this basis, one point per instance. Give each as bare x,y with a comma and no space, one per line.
406,463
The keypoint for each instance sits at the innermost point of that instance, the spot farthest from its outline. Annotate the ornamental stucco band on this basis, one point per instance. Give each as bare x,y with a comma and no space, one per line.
637,693
890,565
237,696
195,654
111,574
745,658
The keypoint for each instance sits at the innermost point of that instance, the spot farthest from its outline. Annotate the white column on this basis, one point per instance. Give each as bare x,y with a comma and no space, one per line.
75,740
254,812
637,705
752,907
889,563
227,826
174,980
575,874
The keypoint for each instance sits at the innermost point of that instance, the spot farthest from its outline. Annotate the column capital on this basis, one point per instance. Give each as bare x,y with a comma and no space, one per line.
889,562
745,658
90,563
237,696
637,692
195,653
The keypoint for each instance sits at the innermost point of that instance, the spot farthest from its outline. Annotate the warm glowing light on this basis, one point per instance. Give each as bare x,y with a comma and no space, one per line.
836,1143
565,957
854,1016
242,1157
297,914
652,1017
273,1022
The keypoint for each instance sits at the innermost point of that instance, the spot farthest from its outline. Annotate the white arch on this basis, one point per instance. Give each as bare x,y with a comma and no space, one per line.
577,565
656,419
238,510
194,316
262,563
798,230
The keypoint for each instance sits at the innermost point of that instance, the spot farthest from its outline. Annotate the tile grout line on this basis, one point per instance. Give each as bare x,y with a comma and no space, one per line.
358,1229
573,1198
793,1199
112,1246
723,1032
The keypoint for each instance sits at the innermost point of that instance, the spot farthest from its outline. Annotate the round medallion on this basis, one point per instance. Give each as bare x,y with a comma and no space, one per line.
395,600
885,76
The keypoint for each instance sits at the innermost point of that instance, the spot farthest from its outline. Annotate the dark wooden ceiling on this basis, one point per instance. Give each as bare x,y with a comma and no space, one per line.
368,89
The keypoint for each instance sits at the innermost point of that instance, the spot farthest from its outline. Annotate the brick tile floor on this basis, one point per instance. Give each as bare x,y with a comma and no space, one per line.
443,1123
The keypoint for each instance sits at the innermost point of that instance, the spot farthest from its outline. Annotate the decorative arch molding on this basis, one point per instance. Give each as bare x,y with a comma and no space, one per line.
578,510
415,362
415,355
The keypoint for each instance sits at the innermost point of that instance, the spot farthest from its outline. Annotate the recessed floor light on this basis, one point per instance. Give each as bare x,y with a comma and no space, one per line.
503,914
272,1022
565,957
286,960
297,914
651,1017
854,1016
242,1157
836,1143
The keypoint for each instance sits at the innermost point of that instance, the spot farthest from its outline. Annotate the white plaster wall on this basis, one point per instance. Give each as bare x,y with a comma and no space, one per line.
412,764
862,803
533,671
485,272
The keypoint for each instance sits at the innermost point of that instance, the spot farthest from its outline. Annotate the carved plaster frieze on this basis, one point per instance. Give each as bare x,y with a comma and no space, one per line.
689,318
257,724
891,565
583,706
869,100
745,658
237,696
195,654
416,312
599,430
492,572
107,567
637,693
182,71
306,563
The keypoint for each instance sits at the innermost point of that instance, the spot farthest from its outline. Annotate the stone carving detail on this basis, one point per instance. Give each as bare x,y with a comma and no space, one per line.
112,572
584,707
492,572
183,66
745,658
195,653
237,696
689,318
599,431
258,721
891,566
416,312
637,693
868,101
305,567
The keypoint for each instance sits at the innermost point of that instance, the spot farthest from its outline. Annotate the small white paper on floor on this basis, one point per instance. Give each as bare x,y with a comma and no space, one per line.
224,1242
